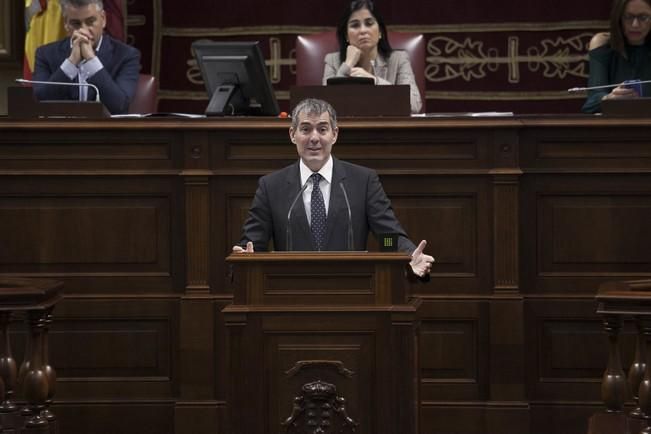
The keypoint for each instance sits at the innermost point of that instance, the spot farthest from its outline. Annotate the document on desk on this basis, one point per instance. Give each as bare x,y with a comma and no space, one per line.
158,115
463,115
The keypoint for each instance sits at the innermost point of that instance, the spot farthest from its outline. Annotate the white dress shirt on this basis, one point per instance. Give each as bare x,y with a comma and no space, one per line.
325,184
83,71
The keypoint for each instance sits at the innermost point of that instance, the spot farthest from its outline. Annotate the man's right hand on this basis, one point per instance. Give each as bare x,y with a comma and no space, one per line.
249,248
82,47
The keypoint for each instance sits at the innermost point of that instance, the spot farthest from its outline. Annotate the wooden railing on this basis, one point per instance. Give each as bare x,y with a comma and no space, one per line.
619,301
35,299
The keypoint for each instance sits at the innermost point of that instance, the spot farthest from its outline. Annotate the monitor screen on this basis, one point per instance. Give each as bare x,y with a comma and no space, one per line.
236,78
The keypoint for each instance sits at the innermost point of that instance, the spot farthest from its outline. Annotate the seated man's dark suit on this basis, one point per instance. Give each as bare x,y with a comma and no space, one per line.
370,210
116,81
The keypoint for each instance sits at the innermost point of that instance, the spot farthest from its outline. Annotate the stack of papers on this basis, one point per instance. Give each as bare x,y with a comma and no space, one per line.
159,115
463,115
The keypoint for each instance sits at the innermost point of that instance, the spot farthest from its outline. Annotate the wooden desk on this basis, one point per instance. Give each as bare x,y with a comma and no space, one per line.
526,217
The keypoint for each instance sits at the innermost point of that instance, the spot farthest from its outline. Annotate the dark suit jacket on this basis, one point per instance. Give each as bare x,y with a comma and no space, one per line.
370,210
116,81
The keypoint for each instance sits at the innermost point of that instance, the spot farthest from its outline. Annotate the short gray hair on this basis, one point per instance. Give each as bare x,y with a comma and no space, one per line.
313,106
80,4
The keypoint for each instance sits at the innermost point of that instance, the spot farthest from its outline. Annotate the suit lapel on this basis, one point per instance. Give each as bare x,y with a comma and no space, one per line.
380,67
298,224
337,210
105,52
105,55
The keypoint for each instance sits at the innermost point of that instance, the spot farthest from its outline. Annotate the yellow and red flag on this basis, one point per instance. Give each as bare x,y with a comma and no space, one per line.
44,24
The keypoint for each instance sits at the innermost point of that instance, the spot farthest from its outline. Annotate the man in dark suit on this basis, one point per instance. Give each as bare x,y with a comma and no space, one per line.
317,202
87,56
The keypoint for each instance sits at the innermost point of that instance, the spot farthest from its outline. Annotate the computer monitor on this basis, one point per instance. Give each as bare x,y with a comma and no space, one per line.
236,78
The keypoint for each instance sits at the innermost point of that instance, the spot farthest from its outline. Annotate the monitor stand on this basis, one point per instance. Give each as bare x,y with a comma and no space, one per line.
226,101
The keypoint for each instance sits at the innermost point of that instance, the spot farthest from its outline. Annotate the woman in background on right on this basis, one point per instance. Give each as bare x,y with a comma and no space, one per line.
623,54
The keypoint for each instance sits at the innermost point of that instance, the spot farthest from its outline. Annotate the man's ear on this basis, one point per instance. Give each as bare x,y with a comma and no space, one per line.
291,135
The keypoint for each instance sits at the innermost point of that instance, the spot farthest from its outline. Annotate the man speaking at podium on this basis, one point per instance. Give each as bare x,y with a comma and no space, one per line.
87,56
320,202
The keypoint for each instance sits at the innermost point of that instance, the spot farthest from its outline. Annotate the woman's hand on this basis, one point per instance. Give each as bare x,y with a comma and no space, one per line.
352,55
621,92
361,72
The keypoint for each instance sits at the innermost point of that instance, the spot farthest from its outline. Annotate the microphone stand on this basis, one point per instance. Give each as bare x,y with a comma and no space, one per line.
350,238
60,83
288,232
605,86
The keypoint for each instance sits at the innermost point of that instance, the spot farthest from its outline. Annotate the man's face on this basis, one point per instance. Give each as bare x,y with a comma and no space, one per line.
89,20
314,137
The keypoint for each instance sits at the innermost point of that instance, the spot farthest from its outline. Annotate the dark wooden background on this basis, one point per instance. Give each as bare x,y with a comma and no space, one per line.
526,216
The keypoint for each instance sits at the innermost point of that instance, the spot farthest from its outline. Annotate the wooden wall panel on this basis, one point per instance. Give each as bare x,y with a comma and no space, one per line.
568,224
116,417
230,201
121,349
588,228
89,149
565,417
453,349
42,227
454,248
564,146
414,150
447,213
567,349
476,419
103,233
526,216
200,417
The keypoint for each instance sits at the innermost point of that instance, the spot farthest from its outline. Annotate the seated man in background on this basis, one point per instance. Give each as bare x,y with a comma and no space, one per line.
87,56
317,202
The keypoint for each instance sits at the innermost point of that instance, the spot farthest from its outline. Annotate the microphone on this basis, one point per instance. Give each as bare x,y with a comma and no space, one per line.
606,86
288,232
350,238
61,83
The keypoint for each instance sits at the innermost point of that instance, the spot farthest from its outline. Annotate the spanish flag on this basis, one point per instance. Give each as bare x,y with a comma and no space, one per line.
44,24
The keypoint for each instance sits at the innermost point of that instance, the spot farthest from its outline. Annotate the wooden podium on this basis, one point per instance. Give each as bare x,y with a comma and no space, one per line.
322,340
21,104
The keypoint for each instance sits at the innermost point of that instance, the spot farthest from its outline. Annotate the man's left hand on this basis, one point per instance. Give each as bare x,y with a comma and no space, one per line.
420,263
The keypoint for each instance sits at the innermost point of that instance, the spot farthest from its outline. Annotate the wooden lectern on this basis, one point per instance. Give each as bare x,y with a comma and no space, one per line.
21,104
322,340
357,99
